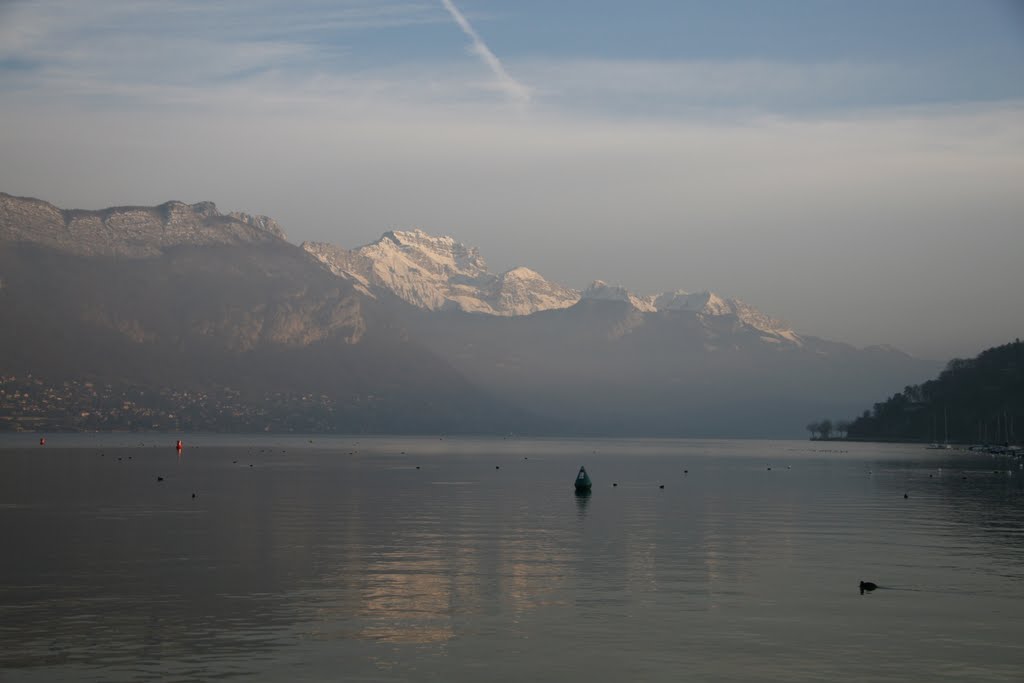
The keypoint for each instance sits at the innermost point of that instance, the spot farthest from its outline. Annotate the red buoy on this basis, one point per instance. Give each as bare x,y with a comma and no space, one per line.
42,441
179,445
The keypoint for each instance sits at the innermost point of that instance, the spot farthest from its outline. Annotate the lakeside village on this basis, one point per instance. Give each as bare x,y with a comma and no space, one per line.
30,404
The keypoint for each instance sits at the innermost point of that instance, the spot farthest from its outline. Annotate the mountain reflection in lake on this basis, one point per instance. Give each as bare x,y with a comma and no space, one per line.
338,560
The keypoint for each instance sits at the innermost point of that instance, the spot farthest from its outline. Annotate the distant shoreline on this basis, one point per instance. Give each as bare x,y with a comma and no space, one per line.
856,439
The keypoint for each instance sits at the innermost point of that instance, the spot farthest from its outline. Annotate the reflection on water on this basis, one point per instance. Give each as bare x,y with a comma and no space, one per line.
398,559
582,499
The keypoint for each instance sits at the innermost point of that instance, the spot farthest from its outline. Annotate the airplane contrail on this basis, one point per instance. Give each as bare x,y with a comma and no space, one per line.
515,90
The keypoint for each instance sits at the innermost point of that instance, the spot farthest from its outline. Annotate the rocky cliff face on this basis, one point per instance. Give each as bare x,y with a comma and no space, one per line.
181,297
229,279
129,231
175,274
264,223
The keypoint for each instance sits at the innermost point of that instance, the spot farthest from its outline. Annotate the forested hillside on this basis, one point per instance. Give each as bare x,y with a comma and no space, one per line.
977,400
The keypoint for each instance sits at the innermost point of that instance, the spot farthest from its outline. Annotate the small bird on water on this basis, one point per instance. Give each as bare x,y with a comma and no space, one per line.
867,586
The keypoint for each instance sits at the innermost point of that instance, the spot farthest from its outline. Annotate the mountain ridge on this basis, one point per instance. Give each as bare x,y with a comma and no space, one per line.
441,273
129,231
430,272
180,297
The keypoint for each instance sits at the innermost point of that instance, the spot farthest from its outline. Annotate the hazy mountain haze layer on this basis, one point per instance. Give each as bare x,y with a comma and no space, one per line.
411,333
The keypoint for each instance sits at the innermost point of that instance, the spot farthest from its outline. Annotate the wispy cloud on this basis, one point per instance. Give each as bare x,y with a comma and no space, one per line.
336,53
118,44
295,109
516,91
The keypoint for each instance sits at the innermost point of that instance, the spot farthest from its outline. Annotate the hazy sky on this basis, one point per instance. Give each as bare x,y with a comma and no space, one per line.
855,168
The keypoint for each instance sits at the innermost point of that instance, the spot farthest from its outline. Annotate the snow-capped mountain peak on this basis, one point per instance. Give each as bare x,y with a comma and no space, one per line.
437,254
441,273
522,273
602,291
705,302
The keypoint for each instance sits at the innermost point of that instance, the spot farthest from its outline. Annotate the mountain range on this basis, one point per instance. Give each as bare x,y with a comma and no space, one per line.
441,274
411,333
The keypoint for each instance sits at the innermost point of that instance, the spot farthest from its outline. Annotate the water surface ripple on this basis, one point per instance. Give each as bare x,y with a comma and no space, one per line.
375,559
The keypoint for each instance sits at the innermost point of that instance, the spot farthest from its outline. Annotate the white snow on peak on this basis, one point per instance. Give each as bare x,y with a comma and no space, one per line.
522,291
437,254
522,273
440,273
602,291
705,302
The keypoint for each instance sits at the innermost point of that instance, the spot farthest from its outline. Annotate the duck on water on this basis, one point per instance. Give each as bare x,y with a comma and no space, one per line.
867,586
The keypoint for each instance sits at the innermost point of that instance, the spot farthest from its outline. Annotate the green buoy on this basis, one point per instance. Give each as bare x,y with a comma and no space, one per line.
582,481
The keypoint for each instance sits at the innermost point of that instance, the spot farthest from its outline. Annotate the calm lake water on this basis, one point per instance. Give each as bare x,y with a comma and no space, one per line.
378,559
